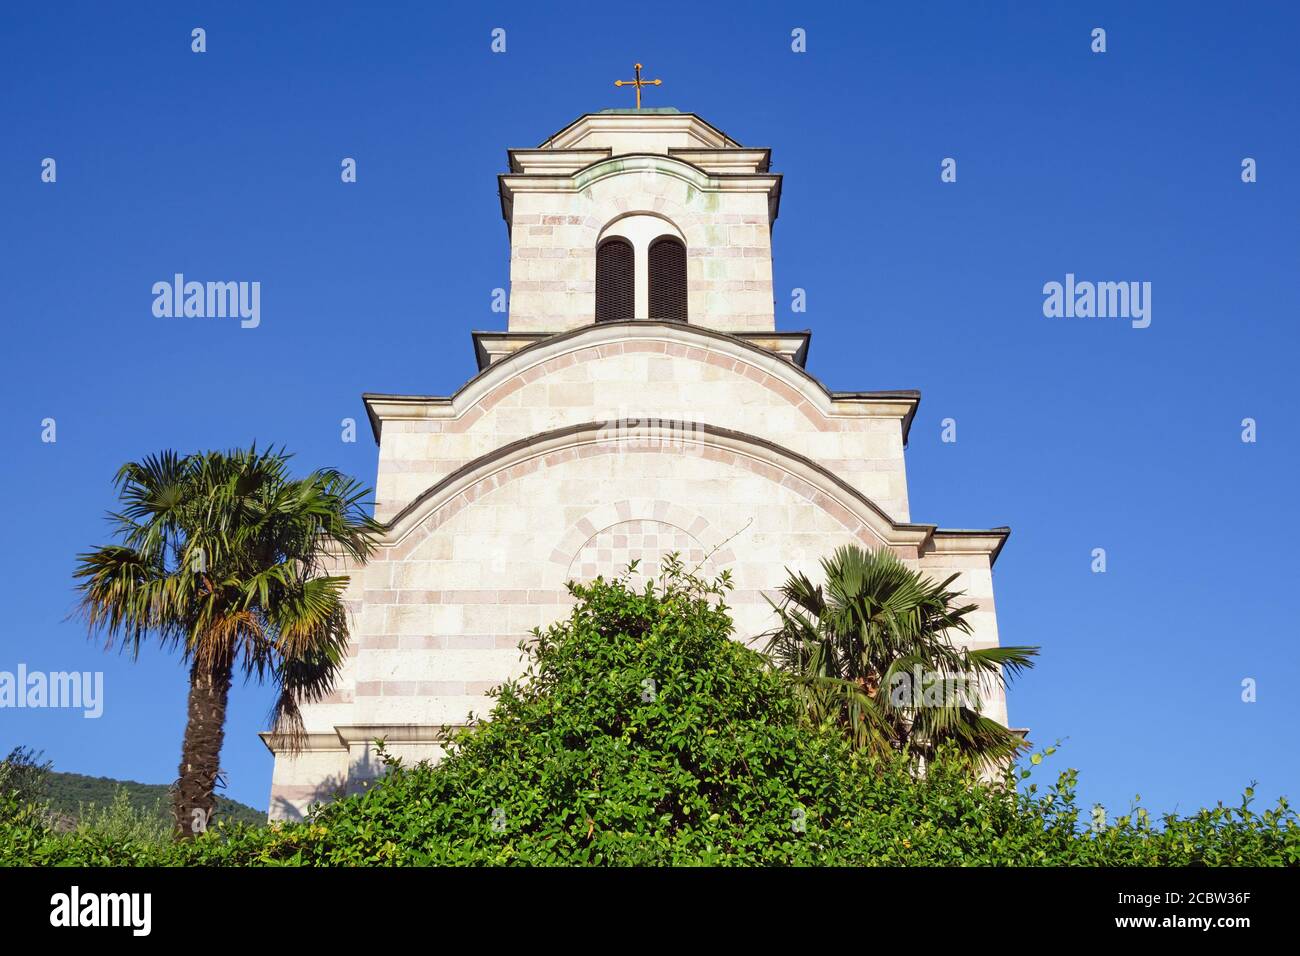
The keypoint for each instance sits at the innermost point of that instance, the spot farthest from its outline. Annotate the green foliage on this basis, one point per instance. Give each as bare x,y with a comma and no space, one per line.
123,821
225,556
24,777
69,817
643,735
70,793
872,652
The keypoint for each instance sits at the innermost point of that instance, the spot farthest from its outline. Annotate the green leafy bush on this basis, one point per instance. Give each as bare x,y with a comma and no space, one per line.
642,734
24,777
71,795
124,822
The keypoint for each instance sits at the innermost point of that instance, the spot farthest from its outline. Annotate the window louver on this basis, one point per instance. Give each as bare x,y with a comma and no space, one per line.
668,280
615,287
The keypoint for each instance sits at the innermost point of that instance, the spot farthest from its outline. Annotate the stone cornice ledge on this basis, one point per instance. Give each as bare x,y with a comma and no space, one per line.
346,735
492,347
511,184
970,541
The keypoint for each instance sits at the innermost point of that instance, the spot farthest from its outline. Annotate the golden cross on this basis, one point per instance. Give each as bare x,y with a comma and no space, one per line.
638,83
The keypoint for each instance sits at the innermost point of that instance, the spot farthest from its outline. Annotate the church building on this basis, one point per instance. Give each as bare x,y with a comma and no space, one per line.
640,401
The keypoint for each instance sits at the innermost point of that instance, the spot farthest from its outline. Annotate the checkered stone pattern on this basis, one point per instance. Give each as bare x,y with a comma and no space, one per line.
608,553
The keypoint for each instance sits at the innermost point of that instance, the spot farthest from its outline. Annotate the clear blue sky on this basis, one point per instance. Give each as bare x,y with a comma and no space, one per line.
1077,433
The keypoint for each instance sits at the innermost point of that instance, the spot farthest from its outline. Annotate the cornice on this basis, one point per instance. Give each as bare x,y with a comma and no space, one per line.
347,735
651,122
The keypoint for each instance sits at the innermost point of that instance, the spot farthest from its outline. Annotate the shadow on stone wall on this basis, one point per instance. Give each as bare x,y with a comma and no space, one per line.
360,777
327,791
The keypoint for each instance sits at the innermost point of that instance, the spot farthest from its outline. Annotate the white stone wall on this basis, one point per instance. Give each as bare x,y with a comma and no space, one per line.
466,574
664,372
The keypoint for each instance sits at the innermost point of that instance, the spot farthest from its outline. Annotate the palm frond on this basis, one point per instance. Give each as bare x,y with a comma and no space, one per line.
221,554
875,626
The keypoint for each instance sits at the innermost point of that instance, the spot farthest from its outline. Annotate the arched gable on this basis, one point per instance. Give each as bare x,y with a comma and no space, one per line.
777,465
636,369
599,342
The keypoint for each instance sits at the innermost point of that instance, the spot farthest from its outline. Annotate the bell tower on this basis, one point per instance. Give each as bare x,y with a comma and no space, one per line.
640,214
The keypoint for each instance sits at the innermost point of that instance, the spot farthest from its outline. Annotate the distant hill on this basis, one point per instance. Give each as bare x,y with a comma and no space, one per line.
68,792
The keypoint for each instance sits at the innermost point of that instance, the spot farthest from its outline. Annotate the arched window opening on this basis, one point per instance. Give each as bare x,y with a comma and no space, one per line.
615,281
667,268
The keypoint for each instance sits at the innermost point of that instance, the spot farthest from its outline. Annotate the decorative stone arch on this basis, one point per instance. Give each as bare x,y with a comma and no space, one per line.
680,192
641,230
690,176
675,200
683,530
825,410
857,514
641,226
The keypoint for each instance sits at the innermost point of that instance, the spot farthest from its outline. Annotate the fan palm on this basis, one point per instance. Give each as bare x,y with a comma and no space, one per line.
223,556
872,651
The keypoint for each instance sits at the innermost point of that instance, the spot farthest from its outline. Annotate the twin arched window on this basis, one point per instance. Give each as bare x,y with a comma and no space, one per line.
619,296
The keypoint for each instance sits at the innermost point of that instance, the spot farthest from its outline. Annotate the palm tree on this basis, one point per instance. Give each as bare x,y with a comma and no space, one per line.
223,556
872,652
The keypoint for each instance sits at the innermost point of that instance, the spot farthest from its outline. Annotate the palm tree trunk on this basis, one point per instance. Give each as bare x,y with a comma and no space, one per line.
205,729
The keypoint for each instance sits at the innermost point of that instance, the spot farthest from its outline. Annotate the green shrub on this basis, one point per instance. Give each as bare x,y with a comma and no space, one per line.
123,822
24,777
642,734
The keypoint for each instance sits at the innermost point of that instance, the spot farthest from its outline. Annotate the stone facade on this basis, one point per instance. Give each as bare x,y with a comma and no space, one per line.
580,446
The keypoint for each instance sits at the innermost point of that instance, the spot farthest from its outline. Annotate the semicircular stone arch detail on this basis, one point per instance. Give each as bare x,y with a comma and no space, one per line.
610,553
686,180
853,513
640,226
799,391
607,539
679,194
